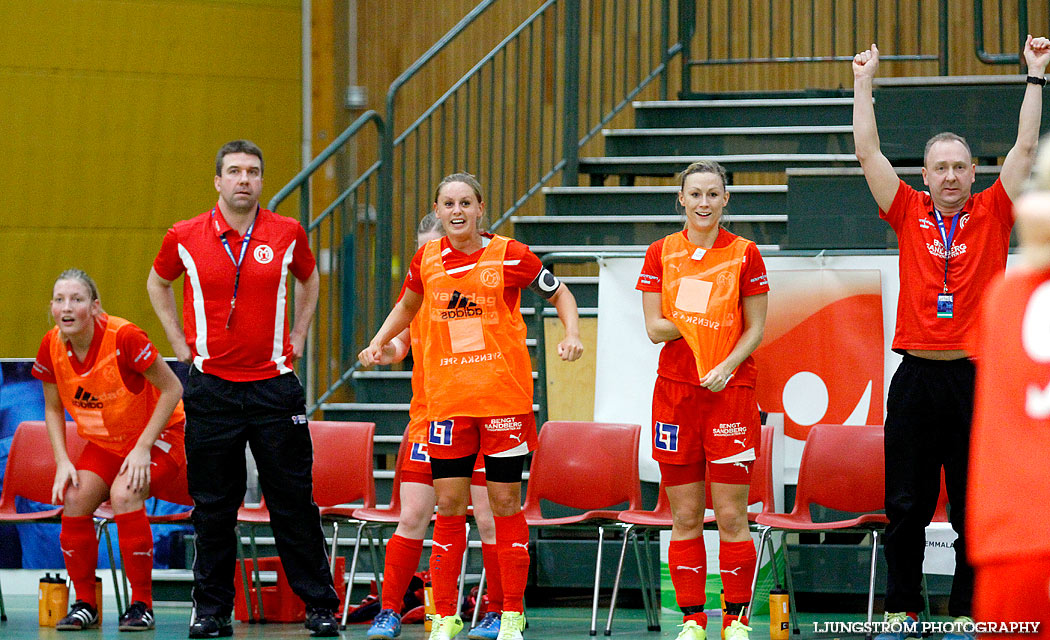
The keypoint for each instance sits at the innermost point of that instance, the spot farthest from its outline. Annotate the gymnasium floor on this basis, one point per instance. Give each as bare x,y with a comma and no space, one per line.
547,624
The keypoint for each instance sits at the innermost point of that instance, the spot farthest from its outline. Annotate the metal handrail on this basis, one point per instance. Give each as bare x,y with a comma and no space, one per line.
505,121
978,33
384,239
333,236
761,45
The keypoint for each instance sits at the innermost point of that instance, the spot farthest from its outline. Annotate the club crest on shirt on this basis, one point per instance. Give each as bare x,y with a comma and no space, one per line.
263,254
490,277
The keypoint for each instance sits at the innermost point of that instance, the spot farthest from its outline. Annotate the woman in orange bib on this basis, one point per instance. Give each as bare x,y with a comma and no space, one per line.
126,403
466,288
404,548
704,296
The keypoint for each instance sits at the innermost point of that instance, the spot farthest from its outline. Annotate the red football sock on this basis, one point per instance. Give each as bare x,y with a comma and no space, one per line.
80,551
136,553
687,561
446,559
493,579
402,560
737,561
512,549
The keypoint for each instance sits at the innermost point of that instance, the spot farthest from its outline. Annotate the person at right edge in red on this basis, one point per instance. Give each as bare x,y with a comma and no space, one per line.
705,295
952,244
1009,500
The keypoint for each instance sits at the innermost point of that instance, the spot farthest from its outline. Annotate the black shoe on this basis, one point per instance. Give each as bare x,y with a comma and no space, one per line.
81,616
321,623
138,617
211,627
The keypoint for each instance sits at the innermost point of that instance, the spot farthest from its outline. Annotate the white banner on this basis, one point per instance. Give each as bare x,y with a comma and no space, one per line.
625,359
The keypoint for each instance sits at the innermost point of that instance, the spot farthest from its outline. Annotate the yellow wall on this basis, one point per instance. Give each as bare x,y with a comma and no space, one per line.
112,112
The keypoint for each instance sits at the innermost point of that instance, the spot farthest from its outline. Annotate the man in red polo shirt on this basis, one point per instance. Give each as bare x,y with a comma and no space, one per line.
952,243
235,259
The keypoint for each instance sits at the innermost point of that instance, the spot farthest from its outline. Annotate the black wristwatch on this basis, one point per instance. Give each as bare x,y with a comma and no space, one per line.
1039,80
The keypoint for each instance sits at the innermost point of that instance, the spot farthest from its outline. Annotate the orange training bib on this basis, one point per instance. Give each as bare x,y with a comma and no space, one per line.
474,353
701,296
106,412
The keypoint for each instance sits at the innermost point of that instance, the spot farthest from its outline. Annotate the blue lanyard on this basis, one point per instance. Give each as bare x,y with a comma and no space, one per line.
237,262
947,237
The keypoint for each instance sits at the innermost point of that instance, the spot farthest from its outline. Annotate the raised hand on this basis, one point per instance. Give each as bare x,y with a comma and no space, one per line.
1036,54
866,63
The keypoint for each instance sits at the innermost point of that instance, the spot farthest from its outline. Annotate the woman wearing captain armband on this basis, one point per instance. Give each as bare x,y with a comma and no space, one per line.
704,295
417,494
478,385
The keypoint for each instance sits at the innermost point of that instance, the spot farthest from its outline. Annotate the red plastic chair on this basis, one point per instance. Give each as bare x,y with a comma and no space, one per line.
30,473
343,465
588,466
645,522
842,468
373,520
342,474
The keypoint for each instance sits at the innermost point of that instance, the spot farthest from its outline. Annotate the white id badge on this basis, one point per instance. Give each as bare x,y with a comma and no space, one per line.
693,295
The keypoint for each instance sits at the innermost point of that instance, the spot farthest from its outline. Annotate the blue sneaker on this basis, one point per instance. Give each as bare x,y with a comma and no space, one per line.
963,630
898,626
387,624
488,627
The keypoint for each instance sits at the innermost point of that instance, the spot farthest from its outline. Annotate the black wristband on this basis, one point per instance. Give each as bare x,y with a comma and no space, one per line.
1039,80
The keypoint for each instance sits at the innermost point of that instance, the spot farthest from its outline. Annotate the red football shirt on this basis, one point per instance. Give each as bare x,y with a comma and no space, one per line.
676,358
978,253
256,345
1008,511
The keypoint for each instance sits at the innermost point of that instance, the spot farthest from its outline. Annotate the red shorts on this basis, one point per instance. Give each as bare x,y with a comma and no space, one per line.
167,456
496,436
415,467
694,427
1017,591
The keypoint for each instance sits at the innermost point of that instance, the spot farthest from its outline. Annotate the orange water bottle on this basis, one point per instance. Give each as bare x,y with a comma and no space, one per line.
428,605
53,599
98,597
779,615
722,600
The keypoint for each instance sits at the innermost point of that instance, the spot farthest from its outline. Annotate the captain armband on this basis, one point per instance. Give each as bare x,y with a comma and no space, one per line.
545,284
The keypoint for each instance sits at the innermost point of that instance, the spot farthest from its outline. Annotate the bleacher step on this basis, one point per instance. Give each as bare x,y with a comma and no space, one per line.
753,112
729,140
629,166
616,200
